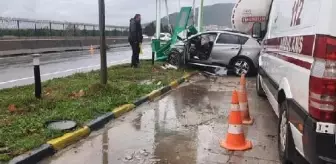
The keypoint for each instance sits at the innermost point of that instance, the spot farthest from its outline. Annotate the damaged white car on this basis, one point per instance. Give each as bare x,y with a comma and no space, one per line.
234,50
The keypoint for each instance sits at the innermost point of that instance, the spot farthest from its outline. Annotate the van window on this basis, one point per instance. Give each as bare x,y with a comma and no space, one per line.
228,39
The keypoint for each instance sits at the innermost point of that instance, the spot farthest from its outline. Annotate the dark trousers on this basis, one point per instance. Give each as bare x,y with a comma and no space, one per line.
135,53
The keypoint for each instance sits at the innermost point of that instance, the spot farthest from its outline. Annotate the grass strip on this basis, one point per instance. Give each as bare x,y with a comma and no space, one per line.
78,97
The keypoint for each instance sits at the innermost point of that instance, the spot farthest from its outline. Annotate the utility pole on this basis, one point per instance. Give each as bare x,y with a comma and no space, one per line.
194,13
200,17
169,25
158,18
179,5
103,63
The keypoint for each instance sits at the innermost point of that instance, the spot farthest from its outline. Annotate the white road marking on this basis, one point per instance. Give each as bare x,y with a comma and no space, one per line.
64,71
12,81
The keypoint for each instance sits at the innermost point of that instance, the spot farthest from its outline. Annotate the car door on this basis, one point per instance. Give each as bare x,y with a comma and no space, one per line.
225,48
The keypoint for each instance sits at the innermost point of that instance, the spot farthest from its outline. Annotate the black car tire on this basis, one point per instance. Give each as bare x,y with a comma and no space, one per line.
251,69
289,149
174,58
259,89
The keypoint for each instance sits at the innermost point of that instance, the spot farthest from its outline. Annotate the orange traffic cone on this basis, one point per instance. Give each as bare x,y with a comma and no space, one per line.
235,139
243,102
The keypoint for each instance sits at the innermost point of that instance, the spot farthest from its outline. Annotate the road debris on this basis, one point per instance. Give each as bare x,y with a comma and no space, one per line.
144,152
221,71
168,66
129,157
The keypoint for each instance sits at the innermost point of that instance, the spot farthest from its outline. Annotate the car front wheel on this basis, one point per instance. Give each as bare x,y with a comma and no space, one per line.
242,66
174,58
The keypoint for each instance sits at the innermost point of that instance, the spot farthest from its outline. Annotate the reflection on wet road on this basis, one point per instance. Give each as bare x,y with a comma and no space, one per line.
15,71
183,127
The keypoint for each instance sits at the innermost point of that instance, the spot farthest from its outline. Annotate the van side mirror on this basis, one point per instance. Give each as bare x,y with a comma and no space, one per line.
256,30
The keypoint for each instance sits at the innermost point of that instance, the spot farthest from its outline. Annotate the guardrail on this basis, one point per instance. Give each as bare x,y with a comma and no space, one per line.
19,27
30,46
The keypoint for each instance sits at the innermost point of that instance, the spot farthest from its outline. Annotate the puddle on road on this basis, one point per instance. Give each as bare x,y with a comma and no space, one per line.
183,127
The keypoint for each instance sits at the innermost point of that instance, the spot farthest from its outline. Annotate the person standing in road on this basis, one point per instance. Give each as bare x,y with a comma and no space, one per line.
135,38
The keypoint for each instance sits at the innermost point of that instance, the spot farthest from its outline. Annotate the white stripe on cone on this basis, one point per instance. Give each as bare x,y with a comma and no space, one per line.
241,88
235,107
235,129
243,106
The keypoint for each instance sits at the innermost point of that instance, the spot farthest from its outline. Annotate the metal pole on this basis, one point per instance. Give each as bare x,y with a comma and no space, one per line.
74,30
18,25
158,18
194,12
103,64
35,30
50,28
170,29
63,32
158,26
202,4
200,15
84,30
37,75
179,4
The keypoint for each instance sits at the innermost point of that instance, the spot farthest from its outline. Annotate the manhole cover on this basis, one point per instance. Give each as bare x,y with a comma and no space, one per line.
61,125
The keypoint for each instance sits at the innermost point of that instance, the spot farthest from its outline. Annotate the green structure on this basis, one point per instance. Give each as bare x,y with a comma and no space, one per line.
162,50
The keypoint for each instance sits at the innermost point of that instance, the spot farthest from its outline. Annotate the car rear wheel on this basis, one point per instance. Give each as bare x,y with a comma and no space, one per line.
242,66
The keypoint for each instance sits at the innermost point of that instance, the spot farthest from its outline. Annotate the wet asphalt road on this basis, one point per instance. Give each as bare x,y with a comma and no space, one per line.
16,71
183,127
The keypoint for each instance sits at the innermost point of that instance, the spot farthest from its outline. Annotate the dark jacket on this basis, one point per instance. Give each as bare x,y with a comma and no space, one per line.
135,31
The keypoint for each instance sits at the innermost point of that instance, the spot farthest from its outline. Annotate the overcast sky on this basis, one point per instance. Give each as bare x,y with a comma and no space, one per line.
118,12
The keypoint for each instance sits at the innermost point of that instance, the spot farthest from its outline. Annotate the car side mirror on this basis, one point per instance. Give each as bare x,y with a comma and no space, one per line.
256,30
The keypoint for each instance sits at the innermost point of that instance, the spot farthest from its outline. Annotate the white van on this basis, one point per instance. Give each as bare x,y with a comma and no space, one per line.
297,73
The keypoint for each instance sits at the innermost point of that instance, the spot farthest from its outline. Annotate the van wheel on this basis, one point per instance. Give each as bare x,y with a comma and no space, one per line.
242,65
259,89
285,139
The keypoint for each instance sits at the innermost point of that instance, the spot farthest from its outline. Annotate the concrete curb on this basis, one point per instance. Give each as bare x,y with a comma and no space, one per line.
100,121
122,110
69,138
56,144
34,155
